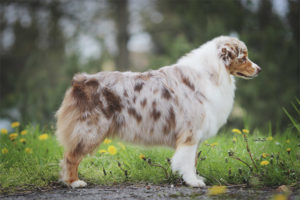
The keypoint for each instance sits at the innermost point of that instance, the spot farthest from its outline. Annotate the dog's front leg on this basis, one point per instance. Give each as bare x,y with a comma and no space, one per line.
183,162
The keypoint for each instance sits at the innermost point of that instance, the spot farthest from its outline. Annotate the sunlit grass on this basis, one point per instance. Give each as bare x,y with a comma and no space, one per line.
30,158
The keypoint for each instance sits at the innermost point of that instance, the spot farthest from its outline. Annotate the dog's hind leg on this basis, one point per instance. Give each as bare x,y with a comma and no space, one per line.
183,162
71,161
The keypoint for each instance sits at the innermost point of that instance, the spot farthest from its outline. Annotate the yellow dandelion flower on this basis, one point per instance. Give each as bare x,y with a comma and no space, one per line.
214,144
245,131
264,155
13,136
24,132
43,136
288,141
142,156
112,150
102,151
237,131
107,141
15,124
288,149
264,163
4,131
28,150
4,150
279,197
269,138
217,190
22,140
234,139
122,146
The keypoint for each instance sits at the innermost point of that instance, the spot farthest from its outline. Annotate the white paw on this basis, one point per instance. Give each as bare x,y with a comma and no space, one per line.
201,178
195,183
78,183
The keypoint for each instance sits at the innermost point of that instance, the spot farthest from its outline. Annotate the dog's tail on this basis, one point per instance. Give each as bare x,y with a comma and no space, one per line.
78,99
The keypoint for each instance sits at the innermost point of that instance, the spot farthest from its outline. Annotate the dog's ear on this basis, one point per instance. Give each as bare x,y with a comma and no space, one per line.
228,54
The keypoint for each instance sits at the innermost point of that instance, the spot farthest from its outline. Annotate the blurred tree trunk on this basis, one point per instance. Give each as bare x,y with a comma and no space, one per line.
121,17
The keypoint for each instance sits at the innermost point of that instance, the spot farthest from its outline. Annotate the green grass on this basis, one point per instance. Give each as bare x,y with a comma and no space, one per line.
22,170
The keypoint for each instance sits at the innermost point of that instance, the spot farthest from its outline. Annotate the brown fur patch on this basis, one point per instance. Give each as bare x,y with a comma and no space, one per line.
200,97
165,93
243,68
79,148
144,102
144,76
132,111
113,103
138,86
185,139
134,99
155,114
185,79
125,93
171,122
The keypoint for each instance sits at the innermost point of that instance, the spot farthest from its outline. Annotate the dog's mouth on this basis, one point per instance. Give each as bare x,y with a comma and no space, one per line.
244,76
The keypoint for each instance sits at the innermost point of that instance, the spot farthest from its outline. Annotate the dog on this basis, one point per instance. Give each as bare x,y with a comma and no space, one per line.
179,106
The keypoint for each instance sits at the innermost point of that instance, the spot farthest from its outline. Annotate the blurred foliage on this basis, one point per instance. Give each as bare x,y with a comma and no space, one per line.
36,69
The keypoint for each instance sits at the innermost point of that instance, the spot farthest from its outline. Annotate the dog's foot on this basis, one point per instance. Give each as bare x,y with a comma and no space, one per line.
201,178
78,183
195,182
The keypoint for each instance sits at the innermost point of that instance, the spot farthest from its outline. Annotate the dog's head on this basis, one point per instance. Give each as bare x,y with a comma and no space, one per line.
234,54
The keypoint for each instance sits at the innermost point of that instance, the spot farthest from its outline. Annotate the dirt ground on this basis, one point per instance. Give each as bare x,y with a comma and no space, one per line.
144,191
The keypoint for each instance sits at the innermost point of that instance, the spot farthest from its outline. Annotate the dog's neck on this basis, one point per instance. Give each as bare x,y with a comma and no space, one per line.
206,60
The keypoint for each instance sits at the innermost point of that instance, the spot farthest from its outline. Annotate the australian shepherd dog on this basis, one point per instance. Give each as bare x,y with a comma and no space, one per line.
179,106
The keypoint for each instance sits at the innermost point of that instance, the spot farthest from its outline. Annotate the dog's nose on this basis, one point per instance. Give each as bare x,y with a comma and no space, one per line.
258,69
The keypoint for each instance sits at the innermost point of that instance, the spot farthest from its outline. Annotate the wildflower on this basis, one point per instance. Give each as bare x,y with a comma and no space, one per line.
217,190
13,136
142,156
112,150
24,132
3,131
264,163
279,197
15,124
22,140
43,136
122,146
102,151
264,155
4,150
234,139
214,144
237,131
288,150
107,141
269,138
288,141
28,150
245,131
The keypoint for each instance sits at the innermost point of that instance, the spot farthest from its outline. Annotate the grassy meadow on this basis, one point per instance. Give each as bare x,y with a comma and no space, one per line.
29,159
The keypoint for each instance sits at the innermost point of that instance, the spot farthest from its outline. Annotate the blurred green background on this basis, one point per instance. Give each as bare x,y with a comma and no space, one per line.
44,42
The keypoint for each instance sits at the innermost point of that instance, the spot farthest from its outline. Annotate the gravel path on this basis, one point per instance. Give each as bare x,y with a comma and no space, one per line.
145,192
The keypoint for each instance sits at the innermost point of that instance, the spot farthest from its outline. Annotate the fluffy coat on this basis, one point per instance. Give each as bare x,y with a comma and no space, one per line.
178,106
